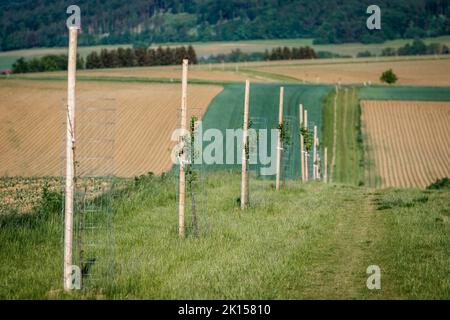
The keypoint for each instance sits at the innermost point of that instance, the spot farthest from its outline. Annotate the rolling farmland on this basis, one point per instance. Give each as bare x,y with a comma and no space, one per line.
224,47
425,72
409,142
32,116
225,112
313,171
170,73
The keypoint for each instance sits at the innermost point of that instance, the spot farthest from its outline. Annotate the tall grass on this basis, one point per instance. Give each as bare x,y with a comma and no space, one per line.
307,241
349,167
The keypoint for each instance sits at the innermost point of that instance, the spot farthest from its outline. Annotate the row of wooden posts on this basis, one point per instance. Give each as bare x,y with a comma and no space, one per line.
245,141
70,157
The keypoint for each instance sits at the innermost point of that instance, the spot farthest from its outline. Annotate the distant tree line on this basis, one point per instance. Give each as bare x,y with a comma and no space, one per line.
46,63
40,23
140,57
279,53
129,57
287,53
417,47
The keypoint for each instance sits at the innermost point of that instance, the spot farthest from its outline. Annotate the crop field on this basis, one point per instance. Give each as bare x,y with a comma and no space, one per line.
408,93
226,112
424,72
427,72
170,73
408,141
225,47
20,195
32,117
307,241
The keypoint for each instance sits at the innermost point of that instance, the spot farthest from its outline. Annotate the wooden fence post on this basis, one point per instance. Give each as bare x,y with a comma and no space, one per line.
70,159
280,142
305,119
302,145
315,154
183,125
245,147
319,160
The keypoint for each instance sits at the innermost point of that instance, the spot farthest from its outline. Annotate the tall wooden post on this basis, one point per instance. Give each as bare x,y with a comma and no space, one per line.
183,126
305,119
302,145
280,142
315,154
319,160
70,149
245,147
325,165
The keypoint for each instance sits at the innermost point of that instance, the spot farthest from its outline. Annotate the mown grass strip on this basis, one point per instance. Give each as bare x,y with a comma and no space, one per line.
349,166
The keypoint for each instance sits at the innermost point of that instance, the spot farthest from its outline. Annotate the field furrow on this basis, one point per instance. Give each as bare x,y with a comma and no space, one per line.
32,121
410,141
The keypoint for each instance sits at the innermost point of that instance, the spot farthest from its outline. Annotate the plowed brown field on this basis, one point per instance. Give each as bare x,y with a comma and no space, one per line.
409,141
32,124
417,72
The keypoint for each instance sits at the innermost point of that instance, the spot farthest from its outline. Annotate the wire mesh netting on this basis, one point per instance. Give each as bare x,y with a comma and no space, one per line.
94,184
290,130
196,210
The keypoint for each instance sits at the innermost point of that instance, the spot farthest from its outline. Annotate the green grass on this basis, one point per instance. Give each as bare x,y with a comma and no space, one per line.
405,93
349,159
307,241
226,112
37,77
208,48
270,76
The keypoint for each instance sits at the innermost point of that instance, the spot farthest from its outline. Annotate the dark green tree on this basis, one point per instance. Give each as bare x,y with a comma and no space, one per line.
389,77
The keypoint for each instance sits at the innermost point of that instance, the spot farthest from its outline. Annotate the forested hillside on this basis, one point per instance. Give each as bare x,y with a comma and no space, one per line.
41,23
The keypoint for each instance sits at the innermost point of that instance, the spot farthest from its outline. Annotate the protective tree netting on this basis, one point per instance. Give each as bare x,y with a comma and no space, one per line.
94,184
196,209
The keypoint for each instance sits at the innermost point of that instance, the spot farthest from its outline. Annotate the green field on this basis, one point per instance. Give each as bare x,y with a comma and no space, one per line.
311,241
308,241
205,49
405,93
226,112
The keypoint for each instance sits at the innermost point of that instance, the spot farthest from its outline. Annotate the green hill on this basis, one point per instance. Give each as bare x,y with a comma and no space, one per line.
41,23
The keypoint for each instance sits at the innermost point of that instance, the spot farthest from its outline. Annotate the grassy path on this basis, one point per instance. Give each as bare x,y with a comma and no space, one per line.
341,119
333,157
306,241
345,252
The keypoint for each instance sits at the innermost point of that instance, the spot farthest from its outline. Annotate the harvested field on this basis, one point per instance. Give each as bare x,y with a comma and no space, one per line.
424,72
32,129
202,73
409,142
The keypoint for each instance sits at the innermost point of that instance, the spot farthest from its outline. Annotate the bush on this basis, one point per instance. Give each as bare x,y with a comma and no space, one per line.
439,184
52,201
364,54
388,52
389,77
